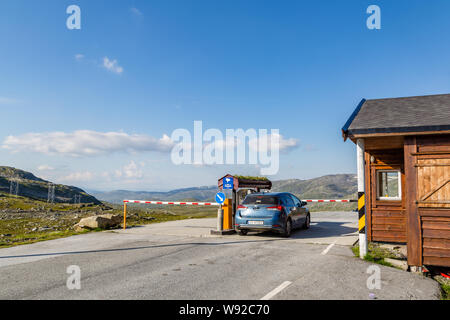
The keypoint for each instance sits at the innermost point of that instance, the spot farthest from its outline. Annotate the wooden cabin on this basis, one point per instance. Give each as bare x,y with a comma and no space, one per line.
407,173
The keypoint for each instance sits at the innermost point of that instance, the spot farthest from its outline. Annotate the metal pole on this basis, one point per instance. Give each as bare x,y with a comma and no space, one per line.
361,199
233,206
124,215
220,219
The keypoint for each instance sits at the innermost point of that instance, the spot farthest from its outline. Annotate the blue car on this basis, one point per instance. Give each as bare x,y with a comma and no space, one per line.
280,212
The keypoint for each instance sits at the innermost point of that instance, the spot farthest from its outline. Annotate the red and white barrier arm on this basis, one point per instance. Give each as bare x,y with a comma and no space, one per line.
330,200
174,203
217,204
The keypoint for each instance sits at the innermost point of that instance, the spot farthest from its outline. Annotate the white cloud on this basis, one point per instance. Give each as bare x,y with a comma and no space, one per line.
78,177
6,100
136,11
131,171
310,147
284,145
112,65
231,142
79,56
45,167
86,143
288,144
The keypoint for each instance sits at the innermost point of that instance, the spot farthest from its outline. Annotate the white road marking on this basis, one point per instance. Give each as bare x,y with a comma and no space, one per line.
324,252
277,290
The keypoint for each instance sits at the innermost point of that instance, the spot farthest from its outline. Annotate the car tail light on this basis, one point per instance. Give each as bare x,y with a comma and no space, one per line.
242,207
279,208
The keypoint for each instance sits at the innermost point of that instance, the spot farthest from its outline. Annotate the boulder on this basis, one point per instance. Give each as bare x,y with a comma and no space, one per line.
44,229
104,221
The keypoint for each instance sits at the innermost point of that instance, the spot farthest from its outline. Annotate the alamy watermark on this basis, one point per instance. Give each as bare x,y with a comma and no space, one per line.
74,20
238,146
374,20
374,280
74,280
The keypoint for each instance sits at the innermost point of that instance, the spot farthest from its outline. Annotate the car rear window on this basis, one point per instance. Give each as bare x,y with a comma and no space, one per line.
255,199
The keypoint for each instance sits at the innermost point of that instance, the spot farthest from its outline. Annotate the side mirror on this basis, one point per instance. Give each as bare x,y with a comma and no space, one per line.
304,203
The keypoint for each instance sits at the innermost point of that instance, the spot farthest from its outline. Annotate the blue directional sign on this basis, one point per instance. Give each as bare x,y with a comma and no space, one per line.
228,183
220,197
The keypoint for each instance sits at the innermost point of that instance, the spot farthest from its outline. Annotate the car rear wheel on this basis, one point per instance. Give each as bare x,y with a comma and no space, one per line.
288,229
307,222
243,232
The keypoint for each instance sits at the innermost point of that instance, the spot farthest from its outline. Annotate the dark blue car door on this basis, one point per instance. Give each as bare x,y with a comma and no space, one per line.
290,208
300,211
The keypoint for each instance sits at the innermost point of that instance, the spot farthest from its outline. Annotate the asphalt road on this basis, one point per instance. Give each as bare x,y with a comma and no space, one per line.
178,260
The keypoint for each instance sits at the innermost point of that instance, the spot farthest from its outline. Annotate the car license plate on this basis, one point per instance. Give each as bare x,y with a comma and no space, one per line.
256,222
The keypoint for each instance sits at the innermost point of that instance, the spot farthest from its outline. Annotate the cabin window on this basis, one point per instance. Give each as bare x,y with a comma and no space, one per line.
389,185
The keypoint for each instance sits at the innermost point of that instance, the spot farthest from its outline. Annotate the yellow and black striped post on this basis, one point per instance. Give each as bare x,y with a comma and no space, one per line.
361,199
361,213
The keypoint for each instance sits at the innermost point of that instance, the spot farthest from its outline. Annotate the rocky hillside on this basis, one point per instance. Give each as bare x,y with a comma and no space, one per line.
337,186
36,188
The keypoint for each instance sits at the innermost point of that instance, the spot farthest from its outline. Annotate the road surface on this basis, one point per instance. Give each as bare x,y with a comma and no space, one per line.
180,260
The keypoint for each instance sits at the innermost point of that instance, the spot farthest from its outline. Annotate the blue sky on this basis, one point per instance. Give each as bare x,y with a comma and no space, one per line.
298,66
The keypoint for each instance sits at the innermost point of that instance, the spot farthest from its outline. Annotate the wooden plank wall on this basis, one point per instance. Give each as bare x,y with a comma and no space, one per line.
432,162
414,231
435,240
386,220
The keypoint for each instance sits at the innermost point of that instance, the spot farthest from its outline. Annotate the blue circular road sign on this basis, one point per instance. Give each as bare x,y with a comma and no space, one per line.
220,197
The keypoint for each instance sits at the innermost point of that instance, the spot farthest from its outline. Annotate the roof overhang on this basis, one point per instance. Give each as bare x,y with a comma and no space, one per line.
350,120
356,133
354,137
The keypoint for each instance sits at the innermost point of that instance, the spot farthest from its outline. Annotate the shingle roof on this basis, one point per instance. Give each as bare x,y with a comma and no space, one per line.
397,115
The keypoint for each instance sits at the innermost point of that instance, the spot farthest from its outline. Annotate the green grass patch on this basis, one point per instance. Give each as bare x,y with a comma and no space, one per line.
445,286
251,178
445,291
19,239
376,254
15,203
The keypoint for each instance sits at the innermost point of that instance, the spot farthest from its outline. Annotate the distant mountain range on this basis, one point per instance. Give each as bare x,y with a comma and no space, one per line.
28,185
206,193
337,186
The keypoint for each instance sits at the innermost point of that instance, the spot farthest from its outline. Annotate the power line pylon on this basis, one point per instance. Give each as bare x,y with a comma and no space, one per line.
51,193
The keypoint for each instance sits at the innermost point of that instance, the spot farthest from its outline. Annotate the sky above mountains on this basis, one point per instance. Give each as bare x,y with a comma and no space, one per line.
96,107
